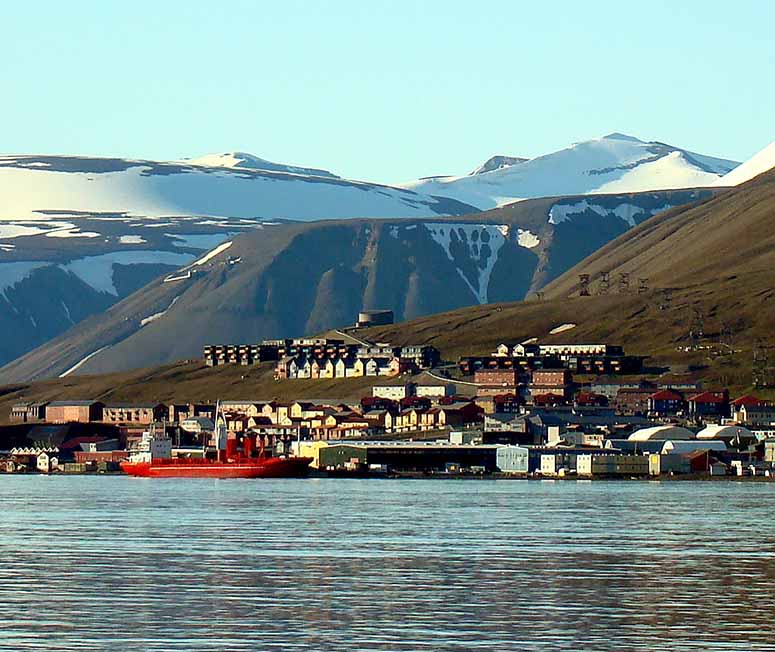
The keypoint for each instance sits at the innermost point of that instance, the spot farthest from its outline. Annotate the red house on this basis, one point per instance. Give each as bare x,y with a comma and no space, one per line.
709,404
665,402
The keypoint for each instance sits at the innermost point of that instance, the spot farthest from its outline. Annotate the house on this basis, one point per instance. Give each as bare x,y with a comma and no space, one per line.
28,412
435,391
458,415
136,413
393,392
754,415
74,411
665,402
709,404
557,382
589,399
47,460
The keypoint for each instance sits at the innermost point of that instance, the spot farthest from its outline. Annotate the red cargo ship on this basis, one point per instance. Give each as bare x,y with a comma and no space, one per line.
269,467
153,459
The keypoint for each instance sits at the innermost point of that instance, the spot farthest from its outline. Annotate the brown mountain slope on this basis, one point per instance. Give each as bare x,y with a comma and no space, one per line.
288,280
718,256
708,303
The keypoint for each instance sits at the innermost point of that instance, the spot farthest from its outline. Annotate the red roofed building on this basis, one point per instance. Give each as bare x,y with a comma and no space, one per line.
709,404
589,399
665,402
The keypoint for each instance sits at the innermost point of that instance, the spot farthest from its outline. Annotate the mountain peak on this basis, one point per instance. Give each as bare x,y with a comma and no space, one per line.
619,136
246,161
498,162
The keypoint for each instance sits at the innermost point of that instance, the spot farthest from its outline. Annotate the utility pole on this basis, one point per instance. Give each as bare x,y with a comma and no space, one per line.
583,285
605,283
624,283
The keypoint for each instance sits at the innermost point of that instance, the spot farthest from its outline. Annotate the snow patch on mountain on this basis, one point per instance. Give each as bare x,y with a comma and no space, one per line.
97,271
562,212
481,243
212,254
753,167
82,362
527,239
152,318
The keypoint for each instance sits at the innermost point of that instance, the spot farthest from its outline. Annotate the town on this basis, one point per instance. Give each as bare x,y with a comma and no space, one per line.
526,410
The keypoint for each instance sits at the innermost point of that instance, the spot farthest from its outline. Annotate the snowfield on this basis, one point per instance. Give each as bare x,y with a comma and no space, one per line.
753,167
148,189
613,164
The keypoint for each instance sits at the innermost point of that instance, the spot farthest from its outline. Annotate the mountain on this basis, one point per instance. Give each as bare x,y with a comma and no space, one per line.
717,255
291,279
497,163
614,164
759,163
79,234
243,160
36,188
706,304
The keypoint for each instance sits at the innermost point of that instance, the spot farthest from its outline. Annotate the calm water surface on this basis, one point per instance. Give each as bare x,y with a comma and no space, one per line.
115,563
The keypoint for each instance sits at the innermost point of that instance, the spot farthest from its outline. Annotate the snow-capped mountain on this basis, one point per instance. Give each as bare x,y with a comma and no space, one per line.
753,167
613,164
33,187
295,278
498,162
248,161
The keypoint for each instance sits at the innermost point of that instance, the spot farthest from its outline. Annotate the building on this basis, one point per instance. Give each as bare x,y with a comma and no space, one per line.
754,415
556,382
435,391
662,433
368,318
665,402
496,381
28,412
612,465
512,459
74,411
197,425
733,435
134,413
393,392
632,401
714,405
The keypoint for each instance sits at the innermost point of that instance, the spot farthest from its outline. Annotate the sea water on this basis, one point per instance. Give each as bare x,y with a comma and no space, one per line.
118,563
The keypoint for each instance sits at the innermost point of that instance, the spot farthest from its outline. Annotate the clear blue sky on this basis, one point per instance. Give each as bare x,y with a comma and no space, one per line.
383,90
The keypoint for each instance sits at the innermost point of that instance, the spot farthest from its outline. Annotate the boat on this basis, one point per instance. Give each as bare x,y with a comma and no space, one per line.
152,458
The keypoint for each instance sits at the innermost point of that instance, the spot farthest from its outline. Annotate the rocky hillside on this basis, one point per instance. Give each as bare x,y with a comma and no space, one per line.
708,299
294,279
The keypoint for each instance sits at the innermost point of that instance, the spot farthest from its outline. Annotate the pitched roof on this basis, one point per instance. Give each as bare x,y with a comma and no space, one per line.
708,397
666,395
747,400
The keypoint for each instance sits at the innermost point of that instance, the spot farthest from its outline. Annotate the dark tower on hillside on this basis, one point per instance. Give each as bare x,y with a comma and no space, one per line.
624,283
643,286
583,285
605,283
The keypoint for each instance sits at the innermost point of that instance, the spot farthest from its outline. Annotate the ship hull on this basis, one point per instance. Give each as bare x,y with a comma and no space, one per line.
273,467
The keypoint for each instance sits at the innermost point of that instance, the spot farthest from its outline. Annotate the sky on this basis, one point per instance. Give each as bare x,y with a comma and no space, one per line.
383,90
